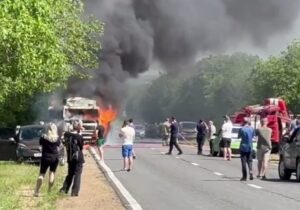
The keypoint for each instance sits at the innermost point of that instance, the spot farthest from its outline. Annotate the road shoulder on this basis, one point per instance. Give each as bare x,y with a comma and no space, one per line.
95,193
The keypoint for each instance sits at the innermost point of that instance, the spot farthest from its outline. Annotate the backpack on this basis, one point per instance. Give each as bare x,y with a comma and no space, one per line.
73,148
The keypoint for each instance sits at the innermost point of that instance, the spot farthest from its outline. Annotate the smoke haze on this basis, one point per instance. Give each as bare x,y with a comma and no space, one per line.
173,33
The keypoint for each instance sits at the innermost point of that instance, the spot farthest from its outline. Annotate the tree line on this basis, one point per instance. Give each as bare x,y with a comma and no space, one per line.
42,44
220,84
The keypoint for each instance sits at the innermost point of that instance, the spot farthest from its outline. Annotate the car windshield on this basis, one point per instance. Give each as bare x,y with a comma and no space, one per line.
29,133
190,125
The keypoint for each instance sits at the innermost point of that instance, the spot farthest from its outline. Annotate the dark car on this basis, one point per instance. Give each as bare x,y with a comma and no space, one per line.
187,130
28,147
7,144
289,161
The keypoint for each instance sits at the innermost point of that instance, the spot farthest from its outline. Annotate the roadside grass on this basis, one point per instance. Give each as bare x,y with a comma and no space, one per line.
17,183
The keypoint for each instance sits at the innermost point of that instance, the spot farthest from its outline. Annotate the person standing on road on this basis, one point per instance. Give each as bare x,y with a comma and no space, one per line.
75,159
226,137
264,147
211,135
246,134
50,156
100,141
128,134
202,130
174,137
132,125
166,132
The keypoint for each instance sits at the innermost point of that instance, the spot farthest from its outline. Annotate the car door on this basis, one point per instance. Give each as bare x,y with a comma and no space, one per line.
291,152
287,149
295,150
7,146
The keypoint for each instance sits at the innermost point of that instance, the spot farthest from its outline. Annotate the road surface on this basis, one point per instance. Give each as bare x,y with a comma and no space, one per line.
189,181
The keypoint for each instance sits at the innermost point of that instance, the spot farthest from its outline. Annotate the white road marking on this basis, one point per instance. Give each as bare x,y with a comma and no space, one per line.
195,164
218,174
162,152
255,186
152,148
120,187
177,157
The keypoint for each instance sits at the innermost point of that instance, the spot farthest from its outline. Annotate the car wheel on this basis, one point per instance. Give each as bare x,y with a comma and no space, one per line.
215,154
298,171
284,173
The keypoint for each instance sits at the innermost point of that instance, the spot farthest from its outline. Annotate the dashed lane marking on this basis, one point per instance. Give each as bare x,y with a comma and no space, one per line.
218,174
162,152
195,164
177,157
255,186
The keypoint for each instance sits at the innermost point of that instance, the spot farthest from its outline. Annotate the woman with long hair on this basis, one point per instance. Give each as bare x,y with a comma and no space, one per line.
50,156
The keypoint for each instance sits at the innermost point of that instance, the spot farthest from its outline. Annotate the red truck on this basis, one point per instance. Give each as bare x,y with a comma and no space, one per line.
274,109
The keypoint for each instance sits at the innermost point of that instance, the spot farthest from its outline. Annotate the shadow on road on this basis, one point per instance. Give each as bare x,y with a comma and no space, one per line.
279,180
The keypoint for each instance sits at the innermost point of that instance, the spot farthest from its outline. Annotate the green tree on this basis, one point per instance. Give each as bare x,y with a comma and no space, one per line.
42,43
280,76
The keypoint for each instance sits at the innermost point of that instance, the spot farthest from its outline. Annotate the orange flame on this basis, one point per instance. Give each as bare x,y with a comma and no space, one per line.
107,115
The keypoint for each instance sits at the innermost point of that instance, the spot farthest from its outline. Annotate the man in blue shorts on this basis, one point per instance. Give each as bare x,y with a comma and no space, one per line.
127,134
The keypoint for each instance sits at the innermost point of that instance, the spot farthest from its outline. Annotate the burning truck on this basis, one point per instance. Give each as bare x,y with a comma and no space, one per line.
77,109
86,111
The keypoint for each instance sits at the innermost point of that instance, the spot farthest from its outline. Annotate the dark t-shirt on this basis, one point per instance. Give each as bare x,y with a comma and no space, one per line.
69,137
101,131
174,130
49,149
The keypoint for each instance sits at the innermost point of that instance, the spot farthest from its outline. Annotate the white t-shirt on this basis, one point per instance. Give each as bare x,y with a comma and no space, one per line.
226,130
128,135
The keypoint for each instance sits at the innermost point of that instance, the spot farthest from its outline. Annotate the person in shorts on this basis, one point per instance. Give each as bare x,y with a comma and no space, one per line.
226,137
264,147
100,141
50,156
127,134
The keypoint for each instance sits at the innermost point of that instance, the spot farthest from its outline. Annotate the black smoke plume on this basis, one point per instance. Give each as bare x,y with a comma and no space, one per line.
173,33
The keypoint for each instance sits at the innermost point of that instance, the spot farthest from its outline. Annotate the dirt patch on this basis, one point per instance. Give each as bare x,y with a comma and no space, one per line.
95,193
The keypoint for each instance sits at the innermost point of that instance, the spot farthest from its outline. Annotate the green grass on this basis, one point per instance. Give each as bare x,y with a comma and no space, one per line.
17,182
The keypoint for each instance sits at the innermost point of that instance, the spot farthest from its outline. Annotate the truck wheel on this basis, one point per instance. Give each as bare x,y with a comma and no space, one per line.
284,173
298,171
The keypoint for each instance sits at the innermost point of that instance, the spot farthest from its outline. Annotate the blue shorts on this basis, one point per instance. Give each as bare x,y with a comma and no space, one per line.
127,151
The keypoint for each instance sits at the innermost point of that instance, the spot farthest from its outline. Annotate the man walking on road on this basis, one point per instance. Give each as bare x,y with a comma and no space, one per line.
202,130
211,135
246,134
174,137
226,137
264,146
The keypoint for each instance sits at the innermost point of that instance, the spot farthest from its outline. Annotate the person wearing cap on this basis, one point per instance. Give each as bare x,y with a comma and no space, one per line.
211,134
226,137
246,134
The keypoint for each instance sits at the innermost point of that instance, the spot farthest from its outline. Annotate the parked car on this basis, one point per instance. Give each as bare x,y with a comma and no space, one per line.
140,131
187,130
235,142
7,144
289,157
28,148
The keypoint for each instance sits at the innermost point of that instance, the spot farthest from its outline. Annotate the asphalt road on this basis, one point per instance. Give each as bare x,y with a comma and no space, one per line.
189,181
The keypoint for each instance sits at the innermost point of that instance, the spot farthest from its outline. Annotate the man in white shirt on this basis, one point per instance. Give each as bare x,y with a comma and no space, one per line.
127,134
226,137
211,135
